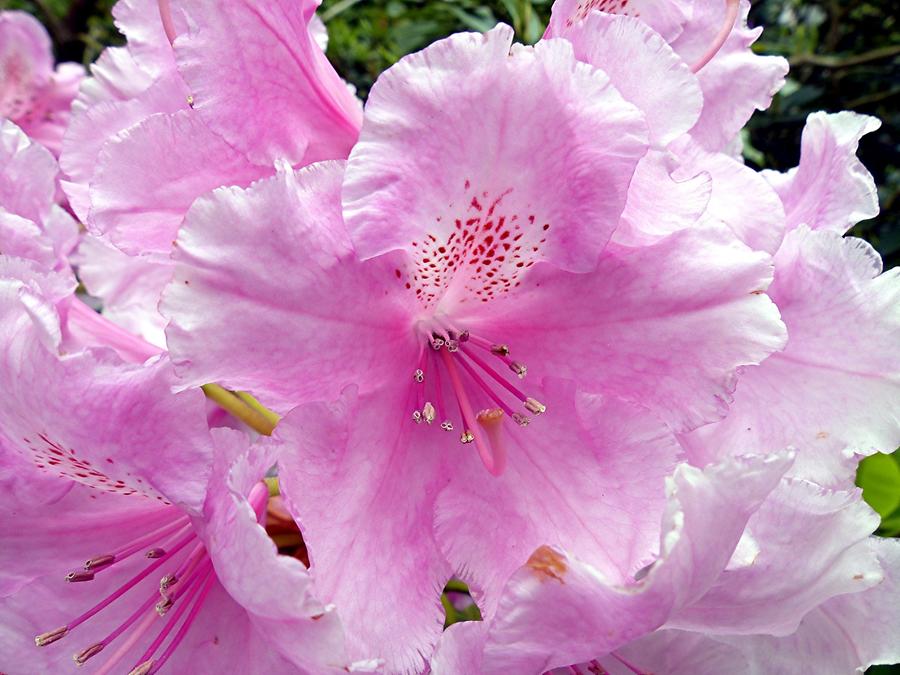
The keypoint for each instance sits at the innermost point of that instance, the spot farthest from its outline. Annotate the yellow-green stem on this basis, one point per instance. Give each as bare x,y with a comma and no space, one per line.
230,402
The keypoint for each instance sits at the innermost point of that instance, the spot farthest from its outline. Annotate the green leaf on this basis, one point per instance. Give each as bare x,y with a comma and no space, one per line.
879,478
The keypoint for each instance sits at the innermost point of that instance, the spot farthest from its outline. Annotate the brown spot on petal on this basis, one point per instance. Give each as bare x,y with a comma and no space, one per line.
858,577
756,292
822,434
548,563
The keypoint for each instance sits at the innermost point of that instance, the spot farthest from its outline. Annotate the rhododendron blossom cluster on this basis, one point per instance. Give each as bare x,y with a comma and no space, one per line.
277,366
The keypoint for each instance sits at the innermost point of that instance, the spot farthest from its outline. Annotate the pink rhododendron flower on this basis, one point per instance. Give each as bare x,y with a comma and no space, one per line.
474,216
823,395
33,94
174,113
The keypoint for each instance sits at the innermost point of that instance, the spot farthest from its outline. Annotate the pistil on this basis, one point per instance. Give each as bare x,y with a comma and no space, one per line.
731,13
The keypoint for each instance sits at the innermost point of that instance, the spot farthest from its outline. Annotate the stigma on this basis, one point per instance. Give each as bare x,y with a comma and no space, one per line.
463,369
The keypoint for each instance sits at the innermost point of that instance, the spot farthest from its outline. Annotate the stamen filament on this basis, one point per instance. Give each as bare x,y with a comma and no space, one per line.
165,14
133,638
497,376
234,405
439,398
481,383
731,13
632,668
122,627
182,631
124,588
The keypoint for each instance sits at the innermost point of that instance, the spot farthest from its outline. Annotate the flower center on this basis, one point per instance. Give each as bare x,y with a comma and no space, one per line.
455,366
170,542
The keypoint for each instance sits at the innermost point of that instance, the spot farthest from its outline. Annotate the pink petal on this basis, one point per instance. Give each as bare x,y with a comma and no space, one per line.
128,286
676,652
660,204
458,125
665,326
569,484
823,393
736,82
558,610
268,295
91,417
644,69
830,189
363,496
666,17
281,99
460,649
27,175
774,590
740,197
275,589
148,176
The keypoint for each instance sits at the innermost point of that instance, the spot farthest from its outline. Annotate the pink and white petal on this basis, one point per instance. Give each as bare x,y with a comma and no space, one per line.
281,99
21,238
276,590
27,175
570,483
771,593
26,62
674,347
822,394
460,648
149,175
91,417
844,635
675,652
141,23
457,127
736,81
667,17
740,198
92,128
644,69
830,189
363,496
558,610
129,287
268,295
660,204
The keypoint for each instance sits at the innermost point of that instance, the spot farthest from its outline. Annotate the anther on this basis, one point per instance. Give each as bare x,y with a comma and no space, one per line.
428,412
520,419
466,437
417,416
519,369
447,425
500,350
535,406
155,553
453,345
464,336
79,575
99,562
143,668
81,657
164,606
49,637
419,376
167,582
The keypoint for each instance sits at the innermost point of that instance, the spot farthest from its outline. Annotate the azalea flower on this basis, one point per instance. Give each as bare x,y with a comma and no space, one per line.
473,240
177,112
823,394
33,94
727,593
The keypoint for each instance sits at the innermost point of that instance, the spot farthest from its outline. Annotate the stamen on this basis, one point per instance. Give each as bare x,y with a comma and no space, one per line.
133,638
519,369
428,412
155,553
440,410
520,419
51,636
138,544
481,383
81,657
535,406
419,376
99,562
142,669
502,381
466,437
731,13
192,614
79,575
